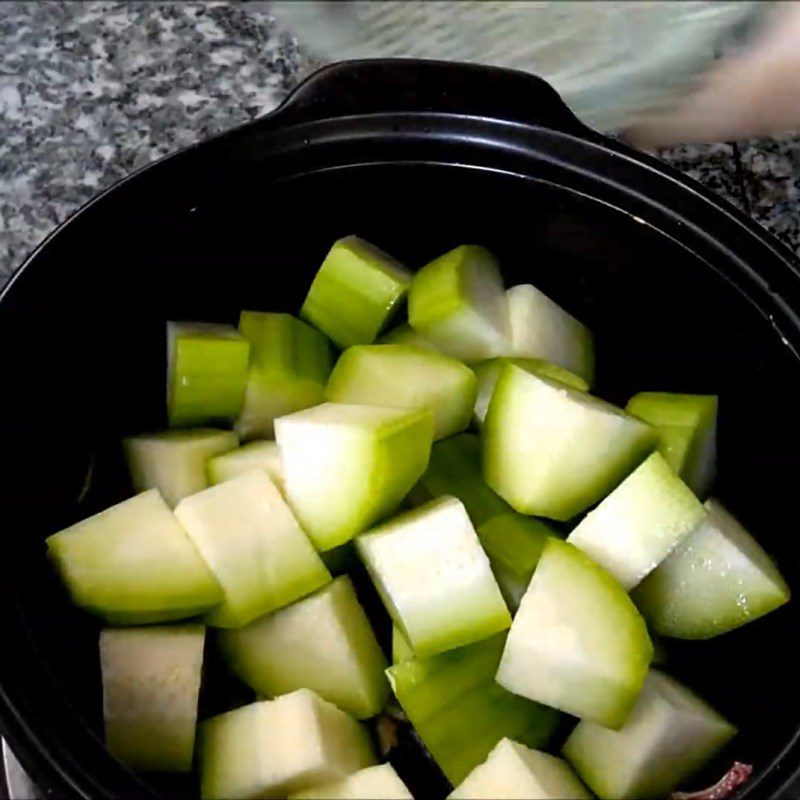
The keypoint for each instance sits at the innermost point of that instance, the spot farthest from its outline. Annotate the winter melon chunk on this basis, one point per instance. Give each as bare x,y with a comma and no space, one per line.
373,783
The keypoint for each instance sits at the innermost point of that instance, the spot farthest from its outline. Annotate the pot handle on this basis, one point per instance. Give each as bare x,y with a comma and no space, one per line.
396,85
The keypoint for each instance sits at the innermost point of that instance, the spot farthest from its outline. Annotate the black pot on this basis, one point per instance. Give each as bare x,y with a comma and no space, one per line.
682,291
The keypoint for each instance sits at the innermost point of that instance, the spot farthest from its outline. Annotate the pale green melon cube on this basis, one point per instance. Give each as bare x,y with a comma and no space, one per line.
577,642
289,366
670,734
373,783
458,303
254,546
174,462
401,376
264,456
346,466
458,600
643,520
356,292
206,373
133,563
401,649
272,748
540,328
323,642
552,451
516,772
405,334
719,578
151,682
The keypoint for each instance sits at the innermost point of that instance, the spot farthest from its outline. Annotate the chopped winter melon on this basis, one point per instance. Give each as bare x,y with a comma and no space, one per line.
458,601
577,642
405,334
323,642
514,544
458,710
669,735
174,462
289,366
402,376
487,373
634,529
717,579
151,681
458,303
552,451
686,425
272,748
254,546
206,374
401,649
516,772
455,469
347,466
366,784
256,455
540,328
133,563
356,291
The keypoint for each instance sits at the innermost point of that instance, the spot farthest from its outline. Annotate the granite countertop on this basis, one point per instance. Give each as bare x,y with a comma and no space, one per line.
91,91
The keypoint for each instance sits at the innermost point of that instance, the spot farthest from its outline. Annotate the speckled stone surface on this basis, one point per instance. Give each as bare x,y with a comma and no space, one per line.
91,91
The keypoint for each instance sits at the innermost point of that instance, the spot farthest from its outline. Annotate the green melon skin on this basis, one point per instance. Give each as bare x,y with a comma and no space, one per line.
455,469
174,462
516,772
458,303
643,520
670,734
263,456
273,748
458,710
542,329
206,374
462,605
686,425
487,373
367,784
323,642
401,376
151,682
401,649
552,451
134,564
405,334
577,642
718,579
347,466
289,366
253,544
356,292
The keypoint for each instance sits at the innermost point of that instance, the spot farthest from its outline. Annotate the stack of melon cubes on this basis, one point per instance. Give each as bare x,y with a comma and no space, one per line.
523,565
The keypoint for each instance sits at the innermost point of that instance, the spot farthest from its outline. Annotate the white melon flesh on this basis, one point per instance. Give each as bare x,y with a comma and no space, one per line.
206,373
552,451
686,425
263,456
133,563
577,642
516,772
323,642
346,466
717,579
670,734
402,376
289,366
434,578
254,546
646,517
151,682
174,462
272,748
458,303
373,783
